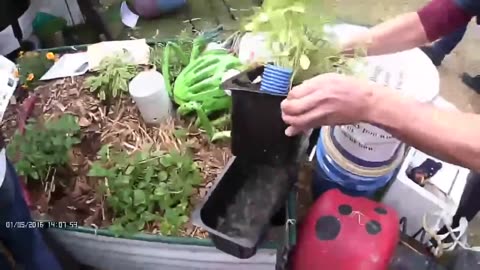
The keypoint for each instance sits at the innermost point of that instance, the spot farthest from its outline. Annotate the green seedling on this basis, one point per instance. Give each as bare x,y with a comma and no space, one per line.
113,76
147,189
44,147
296,35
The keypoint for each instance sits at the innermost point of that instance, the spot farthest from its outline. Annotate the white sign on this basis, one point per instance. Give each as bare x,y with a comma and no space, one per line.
67,66
137,49
129,18
8,83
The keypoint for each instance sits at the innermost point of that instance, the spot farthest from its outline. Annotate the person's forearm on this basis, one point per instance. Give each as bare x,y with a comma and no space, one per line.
398,34
436,19
452,136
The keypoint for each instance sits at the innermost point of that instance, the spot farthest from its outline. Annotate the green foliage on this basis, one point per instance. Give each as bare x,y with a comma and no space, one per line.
297,38
174,58
177,56
31,67
216,129
42,148
147,188
113,76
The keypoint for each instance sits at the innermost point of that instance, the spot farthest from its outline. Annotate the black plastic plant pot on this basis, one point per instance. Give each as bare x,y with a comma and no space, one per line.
241,206
258,131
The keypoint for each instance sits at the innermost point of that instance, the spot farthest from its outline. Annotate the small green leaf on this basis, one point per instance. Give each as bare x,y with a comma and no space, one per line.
102,95
162,176
166,161
160,191
34,175
139,197
104,151
263,17
180,134
140,225
304,62
249,27
148,174
129,170
98,171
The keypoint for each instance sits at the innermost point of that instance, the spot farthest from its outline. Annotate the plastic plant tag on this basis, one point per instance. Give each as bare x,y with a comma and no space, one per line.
68,65
138,49
129,18
8,83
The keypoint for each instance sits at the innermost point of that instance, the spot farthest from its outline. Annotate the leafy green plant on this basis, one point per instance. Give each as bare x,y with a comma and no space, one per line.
296,34
32,66
171,58
216,129
44,147
147,189
178,58
113,75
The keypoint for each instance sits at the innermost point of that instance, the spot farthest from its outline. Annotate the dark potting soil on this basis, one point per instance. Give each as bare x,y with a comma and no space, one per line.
262,195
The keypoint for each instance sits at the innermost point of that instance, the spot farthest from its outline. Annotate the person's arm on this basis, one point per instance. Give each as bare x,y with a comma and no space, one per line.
450,135
407,31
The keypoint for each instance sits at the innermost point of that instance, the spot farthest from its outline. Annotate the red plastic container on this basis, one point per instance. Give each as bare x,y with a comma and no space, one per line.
346,233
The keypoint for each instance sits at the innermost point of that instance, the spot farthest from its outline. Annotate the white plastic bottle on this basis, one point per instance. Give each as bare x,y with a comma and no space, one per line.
148,91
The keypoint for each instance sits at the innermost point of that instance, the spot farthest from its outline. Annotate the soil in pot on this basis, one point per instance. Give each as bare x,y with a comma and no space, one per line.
252,208
246,199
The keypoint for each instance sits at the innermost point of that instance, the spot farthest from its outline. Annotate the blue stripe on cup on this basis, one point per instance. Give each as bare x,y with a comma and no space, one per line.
276,80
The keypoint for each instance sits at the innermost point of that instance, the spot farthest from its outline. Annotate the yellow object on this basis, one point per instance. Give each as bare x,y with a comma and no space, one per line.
50,56
30,77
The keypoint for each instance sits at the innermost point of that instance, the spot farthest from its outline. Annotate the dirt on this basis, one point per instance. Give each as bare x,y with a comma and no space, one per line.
69,195
252,209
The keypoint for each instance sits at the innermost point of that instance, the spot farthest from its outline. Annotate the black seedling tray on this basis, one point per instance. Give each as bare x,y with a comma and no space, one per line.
226,216
258,131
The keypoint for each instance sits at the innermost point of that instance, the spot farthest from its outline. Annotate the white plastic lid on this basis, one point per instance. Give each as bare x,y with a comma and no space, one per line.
146,83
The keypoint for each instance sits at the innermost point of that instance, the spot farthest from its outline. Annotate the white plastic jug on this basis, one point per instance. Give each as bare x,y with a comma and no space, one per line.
148,91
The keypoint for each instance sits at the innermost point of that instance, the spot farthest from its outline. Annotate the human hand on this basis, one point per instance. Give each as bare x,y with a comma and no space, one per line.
357,42
327,99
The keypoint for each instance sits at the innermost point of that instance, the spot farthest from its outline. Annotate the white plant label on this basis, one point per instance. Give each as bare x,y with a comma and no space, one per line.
8,83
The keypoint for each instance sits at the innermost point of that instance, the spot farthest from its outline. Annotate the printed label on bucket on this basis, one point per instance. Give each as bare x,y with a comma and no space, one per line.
409,72
363,142
368,142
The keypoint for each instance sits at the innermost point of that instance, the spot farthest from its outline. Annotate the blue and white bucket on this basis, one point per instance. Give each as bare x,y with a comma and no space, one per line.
338,168
360,159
